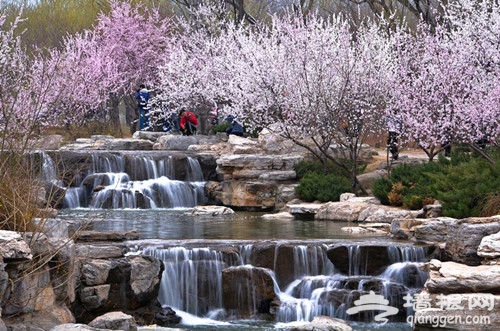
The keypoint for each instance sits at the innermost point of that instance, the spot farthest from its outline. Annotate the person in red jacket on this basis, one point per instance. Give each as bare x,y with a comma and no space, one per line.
188,122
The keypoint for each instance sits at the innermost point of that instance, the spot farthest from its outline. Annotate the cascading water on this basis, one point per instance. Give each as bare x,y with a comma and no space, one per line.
193,281
118,181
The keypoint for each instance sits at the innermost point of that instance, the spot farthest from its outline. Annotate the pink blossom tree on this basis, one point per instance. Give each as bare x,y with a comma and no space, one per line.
446,79
315,83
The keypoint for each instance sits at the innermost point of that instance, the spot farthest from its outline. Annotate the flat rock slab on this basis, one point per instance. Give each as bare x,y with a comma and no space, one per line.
89,236
452,277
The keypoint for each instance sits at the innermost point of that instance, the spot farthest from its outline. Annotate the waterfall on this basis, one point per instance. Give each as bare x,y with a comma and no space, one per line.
310,260
48,171
118,181
192,279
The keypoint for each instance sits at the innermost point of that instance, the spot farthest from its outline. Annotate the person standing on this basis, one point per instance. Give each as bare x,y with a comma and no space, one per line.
393,127
142,97
188,122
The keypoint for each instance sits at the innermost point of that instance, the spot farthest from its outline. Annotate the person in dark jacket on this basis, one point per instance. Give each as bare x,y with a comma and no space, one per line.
142,97
235,127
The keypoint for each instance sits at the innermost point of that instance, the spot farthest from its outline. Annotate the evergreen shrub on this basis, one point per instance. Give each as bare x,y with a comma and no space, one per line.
314,186
466,185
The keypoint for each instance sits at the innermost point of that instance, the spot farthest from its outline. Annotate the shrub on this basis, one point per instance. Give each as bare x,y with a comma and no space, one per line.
490,205
322,187
467,185
222,127
395,195
381,188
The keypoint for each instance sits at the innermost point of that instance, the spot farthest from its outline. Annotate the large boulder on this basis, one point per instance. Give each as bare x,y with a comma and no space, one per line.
251,195
115,320
211,211
359,260
248,291
465,235
13,247
452,277
490,246
96,271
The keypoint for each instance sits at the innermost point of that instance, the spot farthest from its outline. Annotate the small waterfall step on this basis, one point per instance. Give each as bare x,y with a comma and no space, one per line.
128,180
292,281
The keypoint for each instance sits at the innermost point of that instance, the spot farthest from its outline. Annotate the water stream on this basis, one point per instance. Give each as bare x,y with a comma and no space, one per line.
238,271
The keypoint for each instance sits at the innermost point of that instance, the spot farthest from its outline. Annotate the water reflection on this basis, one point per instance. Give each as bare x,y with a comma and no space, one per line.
177,224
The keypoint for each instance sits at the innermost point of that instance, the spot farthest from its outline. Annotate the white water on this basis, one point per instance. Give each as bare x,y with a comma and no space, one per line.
316,290
149,183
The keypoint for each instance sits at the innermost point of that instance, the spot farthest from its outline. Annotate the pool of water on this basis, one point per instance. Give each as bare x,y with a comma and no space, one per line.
178,224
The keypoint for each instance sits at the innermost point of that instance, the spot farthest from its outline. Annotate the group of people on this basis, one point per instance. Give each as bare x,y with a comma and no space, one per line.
186,122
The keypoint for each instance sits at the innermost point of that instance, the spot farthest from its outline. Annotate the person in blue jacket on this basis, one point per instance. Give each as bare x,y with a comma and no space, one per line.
142,96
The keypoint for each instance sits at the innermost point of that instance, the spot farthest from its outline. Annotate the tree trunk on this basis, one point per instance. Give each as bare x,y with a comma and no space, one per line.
114,114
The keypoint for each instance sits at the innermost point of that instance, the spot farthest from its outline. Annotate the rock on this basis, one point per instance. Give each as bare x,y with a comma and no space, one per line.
346,196
125,145
359,260
54,195
148,135
49,142
211,211
279,175
227,163
324,323
45,319
370,228
109,143
341,211
96,271
93,297
465,235
452,277
383,214
246,288
284,194
357,230
213,190
90,236
252,195
145,273
367,179
278,216
97,251
115,321
24,287
433,230
167,317
303,208
175,142
466,311
490,246
76,327
13,247
39,243
433,211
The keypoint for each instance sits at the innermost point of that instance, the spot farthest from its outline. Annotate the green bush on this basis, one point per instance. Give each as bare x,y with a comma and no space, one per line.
315,166
322,187
222,127
466,185
381,188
